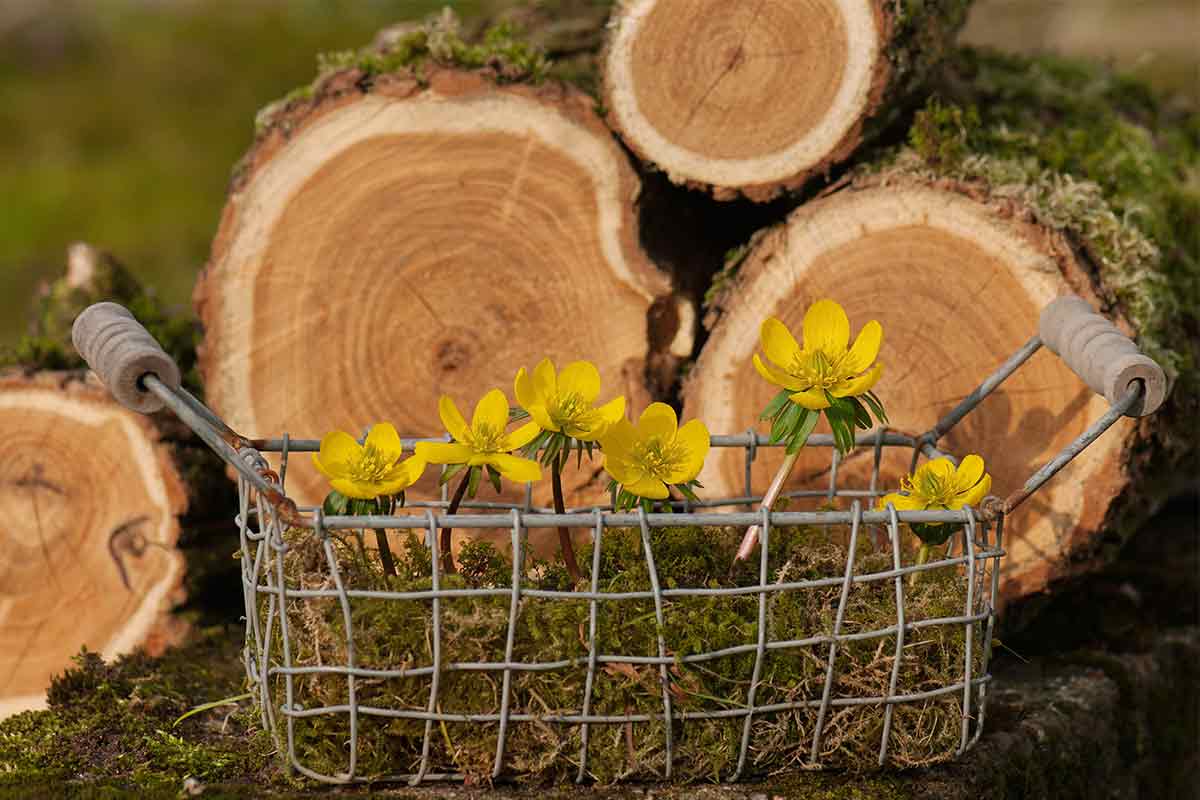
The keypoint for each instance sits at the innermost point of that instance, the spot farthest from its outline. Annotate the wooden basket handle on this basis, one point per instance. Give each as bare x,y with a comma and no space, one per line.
122,352
1103,357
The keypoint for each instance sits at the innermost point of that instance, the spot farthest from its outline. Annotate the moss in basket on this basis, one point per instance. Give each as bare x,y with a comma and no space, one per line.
398,634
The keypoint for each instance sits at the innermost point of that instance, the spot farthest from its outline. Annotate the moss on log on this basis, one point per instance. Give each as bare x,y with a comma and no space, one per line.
1099,157
500,52
115,723
91,276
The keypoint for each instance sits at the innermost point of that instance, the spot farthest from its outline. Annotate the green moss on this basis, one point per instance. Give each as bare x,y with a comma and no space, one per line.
115,721
398,634
48,344
501,51
925,30
1053,115
1096,156
724,278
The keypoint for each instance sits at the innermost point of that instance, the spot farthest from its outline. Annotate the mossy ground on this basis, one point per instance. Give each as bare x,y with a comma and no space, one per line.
115,724
398,634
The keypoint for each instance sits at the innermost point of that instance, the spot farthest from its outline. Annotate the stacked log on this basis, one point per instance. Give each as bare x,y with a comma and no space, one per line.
756,98
432,215
90,499
400,235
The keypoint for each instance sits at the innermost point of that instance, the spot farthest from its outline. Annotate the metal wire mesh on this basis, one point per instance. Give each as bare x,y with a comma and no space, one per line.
266,516
974,552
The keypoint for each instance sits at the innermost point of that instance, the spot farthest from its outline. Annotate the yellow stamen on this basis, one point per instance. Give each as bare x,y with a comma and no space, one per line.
656,459
486,439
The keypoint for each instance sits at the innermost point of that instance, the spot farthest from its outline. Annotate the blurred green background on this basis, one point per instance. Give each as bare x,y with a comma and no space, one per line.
120,120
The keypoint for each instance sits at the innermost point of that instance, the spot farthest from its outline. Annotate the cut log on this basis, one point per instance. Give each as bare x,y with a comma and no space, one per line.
957,272
754,98
957,284
1047,177
391,239
89,500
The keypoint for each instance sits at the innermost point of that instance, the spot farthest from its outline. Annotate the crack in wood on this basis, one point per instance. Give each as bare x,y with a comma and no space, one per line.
126,538
737,58
32,482
37,631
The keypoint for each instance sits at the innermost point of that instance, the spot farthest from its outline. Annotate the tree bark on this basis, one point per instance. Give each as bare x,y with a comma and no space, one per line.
405,235
755,98
89,499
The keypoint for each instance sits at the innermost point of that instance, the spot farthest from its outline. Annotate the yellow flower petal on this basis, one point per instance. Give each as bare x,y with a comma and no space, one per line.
657,420
693,436
865,350
443,452
452,418
826,328
406,472
622,471
778,342
902,502
599,420
491,411
391,488
328,473
542,417
524,391
581,378
852,387
978,492
812,399
777,377
969,472
338,449
613,410
349,488
942,467
648,487
515,468
522,436
383,437
619,439
544,382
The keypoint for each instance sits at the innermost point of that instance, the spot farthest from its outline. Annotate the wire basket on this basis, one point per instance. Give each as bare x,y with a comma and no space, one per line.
272,527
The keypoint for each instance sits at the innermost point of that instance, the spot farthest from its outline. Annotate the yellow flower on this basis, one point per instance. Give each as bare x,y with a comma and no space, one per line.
485,441
646,457
564,402
372,469
824,363
937,485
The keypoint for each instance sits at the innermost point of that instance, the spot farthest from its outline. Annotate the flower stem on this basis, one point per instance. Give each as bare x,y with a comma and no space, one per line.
447,556
385,552
564,536
751,537
922,557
